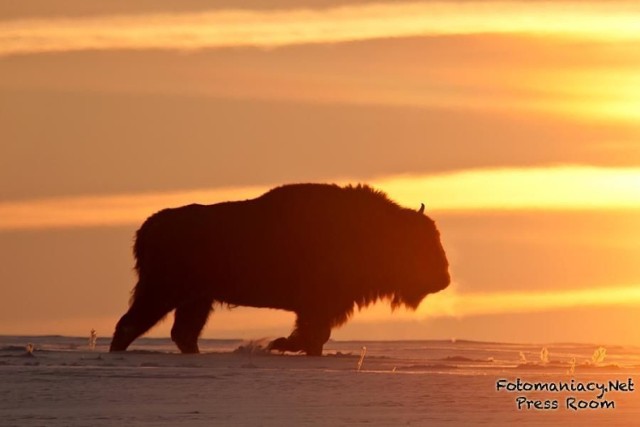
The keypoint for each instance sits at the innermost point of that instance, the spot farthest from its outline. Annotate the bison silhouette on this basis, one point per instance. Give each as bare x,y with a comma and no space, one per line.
318,250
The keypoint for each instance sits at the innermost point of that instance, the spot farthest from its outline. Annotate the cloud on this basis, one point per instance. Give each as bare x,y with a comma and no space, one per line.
273,28
115,210
547,188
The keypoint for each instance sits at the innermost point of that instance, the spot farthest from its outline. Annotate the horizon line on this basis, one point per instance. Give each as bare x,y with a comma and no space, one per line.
450,340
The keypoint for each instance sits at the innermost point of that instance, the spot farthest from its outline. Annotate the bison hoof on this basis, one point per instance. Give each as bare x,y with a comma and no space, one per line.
314,350
295,346
189,349
283,344
116,348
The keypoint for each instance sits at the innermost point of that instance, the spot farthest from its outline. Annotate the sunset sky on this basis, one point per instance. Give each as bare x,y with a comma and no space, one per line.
517,123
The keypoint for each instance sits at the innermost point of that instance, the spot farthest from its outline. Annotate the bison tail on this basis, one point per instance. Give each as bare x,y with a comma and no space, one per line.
141,248
138,251
142,244
146,253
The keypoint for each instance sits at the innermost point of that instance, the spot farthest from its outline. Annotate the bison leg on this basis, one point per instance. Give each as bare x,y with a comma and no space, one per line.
142,315
308,336
190,318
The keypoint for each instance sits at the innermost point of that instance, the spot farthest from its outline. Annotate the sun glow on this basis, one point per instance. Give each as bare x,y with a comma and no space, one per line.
453,303
553,188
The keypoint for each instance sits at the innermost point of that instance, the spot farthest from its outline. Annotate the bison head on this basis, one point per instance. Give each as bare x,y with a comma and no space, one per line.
423,264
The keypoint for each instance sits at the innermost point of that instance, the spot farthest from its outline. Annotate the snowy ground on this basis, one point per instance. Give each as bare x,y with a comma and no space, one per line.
79,387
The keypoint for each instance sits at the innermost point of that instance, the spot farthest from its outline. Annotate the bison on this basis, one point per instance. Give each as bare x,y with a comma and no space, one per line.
317,250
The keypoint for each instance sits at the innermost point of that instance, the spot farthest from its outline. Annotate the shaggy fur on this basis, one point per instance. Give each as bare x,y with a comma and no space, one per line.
315,249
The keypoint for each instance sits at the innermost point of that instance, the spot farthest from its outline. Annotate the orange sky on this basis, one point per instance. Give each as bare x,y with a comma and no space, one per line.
514,121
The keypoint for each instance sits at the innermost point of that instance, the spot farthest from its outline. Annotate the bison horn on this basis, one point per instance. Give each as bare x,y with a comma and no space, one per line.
421,210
